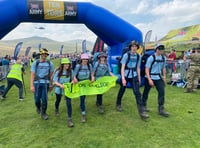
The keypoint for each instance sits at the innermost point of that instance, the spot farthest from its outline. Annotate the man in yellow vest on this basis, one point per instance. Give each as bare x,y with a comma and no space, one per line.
14,77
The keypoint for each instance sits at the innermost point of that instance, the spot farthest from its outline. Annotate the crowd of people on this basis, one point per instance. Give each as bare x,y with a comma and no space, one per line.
75,69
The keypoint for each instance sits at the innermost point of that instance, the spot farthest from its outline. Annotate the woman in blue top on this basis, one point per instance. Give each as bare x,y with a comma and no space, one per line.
100,69
63,75
82,72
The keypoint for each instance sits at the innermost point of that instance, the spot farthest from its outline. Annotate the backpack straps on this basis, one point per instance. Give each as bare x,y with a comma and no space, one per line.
70,79
154,60
77,74
46,77
99,66
80,68
96,68
128,59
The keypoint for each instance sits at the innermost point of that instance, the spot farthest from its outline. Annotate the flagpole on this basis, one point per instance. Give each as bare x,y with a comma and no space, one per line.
76,47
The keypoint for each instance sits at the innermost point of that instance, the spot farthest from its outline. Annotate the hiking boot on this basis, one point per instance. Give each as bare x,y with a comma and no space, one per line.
70,123
119,108
21,98
38,110
83,119
162,112
143,115
194,90
3,97
188,90
44,116
101,111
57,112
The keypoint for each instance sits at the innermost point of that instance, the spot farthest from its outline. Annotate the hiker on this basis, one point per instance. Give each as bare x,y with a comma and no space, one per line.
14,77
63,75
155,66
100,69
41,83
83,72
130,72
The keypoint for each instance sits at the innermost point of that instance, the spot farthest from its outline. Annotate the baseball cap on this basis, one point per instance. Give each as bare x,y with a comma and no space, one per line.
160,47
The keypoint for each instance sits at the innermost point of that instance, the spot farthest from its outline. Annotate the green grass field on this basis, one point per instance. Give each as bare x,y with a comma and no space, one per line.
21,127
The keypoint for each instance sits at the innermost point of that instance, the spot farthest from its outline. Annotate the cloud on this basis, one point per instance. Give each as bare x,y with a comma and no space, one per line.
175,14
141,8
157,15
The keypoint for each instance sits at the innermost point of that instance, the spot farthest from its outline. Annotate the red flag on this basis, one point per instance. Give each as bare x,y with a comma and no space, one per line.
98,46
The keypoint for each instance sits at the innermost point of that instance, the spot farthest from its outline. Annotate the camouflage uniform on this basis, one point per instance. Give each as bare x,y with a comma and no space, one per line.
193,73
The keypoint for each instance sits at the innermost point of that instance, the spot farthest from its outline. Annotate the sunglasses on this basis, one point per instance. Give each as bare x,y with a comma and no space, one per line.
161,48
44,54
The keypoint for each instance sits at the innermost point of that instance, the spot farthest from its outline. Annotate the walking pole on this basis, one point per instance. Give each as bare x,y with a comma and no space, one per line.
23,83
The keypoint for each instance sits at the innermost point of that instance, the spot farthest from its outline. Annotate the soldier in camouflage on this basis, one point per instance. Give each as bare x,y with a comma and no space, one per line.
193,73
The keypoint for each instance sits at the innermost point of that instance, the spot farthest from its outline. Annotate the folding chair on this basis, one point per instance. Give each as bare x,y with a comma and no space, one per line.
176,77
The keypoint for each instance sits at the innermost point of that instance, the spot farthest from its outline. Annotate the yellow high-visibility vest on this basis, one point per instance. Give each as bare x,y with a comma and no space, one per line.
16,72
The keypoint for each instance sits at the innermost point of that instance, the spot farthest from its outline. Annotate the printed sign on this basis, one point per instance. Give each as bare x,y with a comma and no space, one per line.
85,87
71,12
35,9
53,10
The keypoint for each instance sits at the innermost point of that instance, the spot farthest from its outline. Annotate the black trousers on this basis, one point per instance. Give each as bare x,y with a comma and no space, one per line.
135,87
10,83
160,85
99,99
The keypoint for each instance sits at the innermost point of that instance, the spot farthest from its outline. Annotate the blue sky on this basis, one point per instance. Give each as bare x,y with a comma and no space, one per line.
160,16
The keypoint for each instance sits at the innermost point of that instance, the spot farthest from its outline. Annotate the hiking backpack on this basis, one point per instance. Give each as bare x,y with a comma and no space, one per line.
127,50
154,60
147,54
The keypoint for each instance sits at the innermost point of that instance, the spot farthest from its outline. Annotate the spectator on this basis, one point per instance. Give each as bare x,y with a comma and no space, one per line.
172,60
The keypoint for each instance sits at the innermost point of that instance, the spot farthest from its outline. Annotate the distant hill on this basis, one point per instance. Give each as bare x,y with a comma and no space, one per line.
189,33
180,39
8,46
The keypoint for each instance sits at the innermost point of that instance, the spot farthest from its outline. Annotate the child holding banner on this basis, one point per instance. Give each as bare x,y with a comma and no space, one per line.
82,72
63,75
100,69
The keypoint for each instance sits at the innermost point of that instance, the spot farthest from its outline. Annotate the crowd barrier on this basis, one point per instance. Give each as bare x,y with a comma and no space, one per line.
3,71
179,72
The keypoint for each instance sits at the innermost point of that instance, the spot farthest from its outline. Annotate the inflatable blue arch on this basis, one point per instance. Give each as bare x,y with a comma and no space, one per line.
114,31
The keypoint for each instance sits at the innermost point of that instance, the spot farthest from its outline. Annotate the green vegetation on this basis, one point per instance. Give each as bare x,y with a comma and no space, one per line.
179,42
182,42
22,127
